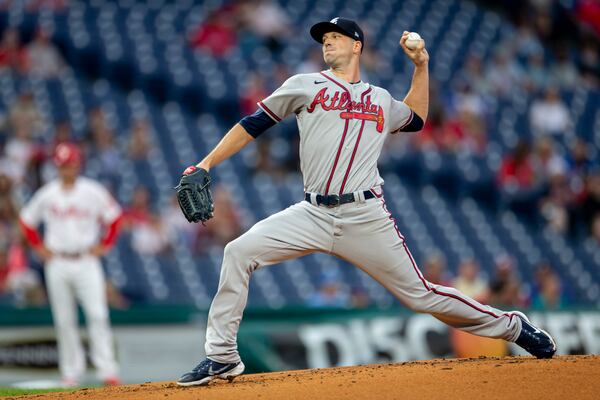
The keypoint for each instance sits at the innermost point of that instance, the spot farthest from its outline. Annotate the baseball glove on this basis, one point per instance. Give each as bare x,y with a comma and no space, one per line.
193,195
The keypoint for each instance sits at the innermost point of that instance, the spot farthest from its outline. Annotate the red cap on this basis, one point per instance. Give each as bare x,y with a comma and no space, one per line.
67,154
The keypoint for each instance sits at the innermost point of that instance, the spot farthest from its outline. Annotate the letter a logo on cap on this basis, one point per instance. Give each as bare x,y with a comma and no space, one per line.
335,20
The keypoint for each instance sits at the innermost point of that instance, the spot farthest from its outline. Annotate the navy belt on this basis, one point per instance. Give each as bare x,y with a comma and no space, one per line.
333,200
69,256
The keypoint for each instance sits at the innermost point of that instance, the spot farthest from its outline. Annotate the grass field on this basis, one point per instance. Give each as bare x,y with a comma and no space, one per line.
4,391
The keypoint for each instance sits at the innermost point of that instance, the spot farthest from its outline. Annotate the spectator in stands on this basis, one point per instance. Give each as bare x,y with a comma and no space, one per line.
370,65
551,169
504,74
329,294
474,73
589,63
9,232
546,160
139,140
45,61
579,162
12,55
472,135
105,151
359,298
466,100
434,269
217,34
314,62
17,279
226,224
470,282
563,72
550,296
538,76
516,171
96,121
254,92
267,20
179,230
524,41
280,75
24,115
148,234
556,204
432,135
505,286
550,115
20,147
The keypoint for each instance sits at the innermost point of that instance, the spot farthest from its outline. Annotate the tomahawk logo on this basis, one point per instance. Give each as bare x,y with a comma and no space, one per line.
335,20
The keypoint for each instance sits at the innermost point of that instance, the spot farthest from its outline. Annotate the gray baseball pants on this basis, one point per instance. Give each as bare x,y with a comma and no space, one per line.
362,233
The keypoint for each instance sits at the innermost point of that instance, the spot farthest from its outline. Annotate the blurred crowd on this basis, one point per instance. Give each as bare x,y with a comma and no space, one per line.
27,143
545,176
503,287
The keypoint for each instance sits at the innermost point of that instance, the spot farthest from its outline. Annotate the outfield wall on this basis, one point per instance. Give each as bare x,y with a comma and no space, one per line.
160,343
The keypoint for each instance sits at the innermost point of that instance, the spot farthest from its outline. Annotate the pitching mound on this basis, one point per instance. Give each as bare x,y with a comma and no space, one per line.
567,377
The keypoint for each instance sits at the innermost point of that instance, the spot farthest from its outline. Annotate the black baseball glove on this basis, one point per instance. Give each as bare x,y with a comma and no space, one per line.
193,194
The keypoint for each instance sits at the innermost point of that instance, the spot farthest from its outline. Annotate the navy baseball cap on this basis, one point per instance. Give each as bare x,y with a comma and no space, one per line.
344,26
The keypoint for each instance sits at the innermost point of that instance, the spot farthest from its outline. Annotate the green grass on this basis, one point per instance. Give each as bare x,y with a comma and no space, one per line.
4,391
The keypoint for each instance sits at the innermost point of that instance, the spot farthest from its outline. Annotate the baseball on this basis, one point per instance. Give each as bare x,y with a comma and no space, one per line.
413,39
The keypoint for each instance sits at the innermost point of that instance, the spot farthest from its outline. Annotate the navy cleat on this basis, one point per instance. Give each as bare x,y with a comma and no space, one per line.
208,370
535,340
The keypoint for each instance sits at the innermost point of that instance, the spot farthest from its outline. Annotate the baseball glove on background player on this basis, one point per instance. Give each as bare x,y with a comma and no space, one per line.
193,195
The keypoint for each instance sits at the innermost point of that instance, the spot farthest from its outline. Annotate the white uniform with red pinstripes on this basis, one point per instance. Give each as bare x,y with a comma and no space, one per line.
342,131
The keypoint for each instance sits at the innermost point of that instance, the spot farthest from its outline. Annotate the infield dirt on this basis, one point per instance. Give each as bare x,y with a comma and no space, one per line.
565,377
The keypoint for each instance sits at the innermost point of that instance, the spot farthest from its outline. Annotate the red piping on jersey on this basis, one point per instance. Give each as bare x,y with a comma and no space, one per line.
362,126
337,156
352,157
337,83
271,113
111,232
408,121
31,234
416,269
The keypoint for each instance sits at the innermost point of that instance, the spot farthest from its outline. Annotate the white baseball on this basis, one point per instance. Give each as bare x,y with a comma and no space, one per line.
413,40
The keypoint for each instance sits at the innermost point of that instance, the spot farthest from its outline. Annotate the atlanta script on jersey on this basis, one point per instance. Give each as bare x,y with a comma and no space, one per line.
342,128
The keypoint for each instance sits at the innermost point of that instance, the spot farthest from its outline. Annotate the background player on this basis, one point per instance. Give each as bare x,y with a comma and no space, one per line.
73,210
343,123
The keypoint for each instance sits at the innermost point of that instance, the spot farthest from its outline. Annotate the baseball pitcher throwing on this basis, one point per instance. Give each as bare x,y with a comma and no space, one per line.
343,124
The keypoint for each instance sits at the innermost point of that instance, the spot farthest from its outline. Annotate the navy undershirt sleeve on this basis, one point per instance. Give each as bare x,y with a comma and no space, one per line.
257,123
416,124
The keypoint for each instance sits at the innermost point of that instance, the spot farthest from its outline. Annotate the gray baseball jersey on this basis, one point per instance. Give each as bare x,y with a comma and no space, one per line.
342,130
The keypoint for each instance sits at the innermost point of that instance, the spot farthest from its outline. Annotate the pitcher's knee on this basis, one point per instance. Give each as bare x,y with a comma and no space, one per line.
240,251
418,303
418,307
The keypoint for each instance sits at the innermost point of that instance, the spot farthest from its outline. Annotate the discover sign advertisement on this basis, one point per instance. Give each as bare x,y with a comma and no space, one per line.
274,345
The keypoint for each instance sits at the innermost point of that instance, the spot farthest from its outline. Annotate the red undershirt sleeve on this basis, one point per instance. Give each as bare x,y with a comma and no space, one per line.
31,234
112,231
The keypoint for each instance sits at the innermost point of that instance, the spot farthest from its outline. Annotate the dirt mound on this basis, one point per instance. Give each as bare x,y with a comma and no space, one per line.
563,377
